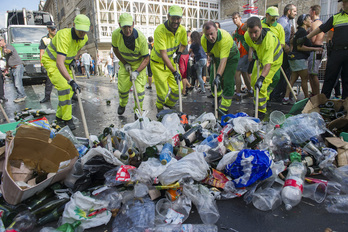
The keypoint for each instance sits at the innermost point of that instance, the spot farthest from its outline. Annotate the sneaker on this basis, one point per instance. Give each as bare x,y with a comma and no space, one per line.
250,94
20,99
59,119
149,87
70,124
185,94
3,99
211,96
285,101
158,109
121,110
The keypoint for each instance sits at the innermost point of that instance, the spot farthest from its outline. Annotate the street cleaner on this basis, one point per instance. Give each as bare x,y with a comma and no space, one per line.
219,44
269,56
131,48
58,56
168,38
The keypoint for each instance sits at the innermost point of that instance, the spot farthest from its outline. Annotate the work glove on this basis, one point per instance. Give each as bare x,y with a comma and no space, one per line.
74,86
258,84
128,67
72,64
177,76
301,41
134,75
177,58
217,81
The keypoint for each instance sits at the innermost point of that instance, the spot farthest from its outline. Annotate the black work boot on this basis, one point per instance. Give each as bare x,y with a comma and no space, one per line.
70,124
121,110
46,99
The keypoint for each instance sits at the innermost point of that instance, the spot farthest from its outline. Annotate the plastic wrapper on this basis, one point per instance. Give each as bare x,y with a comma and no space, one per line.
99,151
153,133
90,211
206,117
336,204
242,125
149,170
110,195
227,159
204,202
173,125
136,124
216,179
329,157
135,215
302,127
249,166
110,177
140,190
193,165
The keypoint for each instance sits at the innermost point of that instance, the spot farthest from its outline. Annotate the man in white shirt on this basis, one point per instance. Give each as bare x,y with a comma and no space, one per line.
86,60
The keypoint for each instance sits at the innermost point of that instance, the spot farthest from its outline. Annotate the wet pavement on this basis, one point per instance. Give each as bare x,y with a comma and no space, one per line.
235,214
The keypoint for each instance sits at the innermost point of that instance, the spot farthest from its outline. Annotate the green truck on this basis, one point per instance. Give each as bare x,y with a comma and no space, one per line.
24,30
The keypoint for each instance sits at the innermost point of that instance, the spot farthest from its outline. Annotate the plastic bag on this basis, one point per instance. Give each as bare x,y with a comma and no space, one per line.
153,133
206,117
173,125
267,199
135,216
249,166
193,165
204,202
176,212
140,190
336,203
90,211
242,125
110,195
100,151
227,159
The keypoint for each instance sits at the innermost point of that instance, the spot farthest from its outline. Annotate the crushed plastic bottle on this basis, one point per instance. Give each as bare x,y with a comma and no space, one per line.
293,186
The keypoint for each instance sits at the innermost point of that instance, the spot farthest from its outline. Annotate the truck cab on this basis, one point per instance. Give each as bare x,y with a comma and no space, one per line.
24,32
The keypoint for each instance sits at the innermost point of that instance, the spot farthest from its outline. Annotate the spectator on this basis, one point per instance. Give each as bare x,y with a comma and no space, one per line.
15,64
290,12
99,66
86,60
116,66
110,67
183,66
200,57
315,56
243,63
299,56
2,79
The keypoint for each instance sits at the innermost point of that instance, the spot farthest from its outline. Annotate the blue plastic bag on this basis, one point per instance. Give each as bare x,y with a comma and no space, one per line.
249,166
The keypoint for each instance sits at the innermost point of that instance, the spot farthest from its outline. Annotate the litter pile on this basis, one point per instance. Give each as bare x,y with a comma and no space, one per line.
147,175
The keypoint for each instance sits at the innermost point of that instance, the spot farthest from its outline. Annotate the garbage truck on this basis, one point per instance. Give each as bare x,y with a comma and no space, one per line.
24,30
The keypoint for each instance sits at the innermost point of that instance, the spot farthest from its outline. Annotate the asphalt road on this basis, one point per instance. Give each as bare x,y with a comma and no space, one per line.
235,214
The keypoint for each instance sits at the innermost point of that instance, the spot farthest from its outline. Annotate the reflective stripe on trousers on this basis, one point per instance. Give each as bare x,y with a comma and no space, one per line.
164,77
124,85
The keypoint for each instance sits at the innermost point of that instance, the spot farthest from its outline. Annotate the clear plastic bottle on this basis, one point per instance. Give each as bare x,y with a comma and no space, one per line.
293,186
186,227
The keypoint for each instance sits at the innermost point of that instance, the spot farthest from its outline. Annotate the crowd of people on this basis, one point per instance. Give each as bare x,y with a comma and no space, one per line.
264,52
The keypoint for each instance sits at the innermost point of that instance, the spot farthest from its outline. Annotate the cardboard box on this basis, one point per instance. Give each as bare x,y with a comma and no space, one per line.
314,102
33,146
342,150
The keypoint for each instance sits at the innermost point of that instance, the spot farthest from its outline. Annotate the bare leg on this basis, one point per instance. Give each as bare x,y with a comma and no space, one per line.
314,82
246,78
304,81
238,81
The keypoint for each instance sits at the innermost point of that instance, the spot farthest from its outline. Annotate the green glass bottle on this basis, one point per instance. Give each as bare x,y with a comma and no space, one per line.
49,207
40,197
52,216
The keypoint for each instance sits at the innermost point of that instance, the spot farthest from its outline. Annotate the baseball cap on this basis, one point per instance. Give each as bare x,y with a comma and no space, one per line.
272,11
82,23
125,20
51,26
175,11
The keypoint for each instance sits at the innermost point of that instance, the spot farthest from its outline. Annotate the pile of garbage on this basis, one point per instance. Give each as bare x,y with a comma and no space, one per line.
148,174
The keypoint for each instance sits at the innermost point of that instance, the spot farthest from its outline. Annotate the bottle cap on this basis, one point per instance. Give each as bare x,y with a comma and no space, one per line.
294,156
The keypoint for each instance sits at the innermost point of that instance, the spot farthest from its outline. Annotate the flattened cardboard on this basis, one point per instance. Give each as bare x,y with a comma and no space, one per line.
37,150
342,150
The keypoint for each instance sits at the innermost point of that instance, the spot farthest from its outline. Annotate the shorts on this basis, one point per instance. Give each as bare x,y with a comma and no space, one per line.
298,65
243,64
313,64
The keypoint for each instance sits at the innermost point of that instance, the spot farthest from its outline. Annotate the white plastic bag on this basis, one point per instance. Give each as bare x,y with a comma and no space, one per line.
193,165
80,206
245,124
108,156
173,125
153,133
227,159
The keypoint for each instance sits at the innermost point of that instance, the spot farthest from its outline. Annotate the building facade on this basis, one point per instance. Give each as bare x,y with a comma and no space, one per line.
147,15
